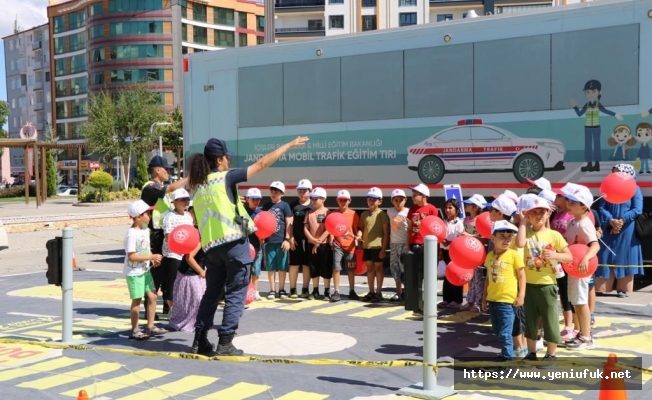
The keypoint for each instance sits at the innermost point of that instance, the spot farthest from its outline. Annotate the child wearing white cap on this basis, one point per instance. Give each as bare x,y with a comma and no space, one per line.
253,198
397,239
278,245
171,261
319,248
542,246
373,231
344,246
299,246
472,208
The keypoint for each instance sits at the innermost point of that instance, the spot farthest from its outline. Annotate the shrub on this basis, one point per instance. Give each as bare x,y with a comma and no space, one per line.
17,191
100,180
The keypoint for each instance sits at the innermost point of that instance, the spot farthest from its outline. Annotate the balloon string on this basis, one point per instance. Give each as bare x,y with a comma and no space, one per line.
608,248
598,199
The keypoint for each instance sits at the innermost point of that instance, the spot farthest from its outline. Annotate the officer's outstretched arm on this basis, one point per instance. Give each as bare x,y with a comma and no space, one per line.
271,158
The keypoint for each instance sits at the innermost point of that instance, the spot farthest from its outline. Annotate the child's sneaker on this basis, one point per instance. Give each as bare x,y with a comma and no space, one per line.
476,308
396,298
530,356
520,353
453,304
283,294
568,333
581,343
305,293
313,295
368,297
550,360
327,295
442,304
257,296
353,295
335,296
271,295
293,294
466,307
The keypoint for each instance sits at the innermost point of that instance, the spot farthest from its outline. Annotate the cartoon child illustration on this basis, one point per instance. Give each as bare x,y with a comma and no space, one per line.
622,138
592,131
645,114
644,135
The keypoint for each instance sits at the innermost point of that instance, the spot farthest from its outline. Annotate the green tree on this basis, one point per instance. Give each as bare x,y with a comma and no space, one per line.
51,156
100,180
173,134
141,171
4,115
120,124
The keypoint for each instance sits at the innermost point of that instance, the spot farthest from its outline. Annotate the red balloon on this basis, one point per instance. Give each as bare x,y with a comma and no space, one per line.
251,294
265,222
618,188
183,239
467,252
252,251
433,225
458,276
483,224
337,224
360,264
579,251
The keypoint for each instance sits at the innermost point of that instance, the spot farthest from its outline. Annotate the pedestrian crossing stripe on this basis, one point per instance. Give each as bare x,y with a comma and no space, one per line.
119,383
173,389
73,376
239,391
45,366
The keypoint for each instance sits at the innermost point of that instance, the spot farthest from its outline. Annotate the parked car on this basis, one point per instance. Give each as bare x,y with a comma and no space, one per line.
67,191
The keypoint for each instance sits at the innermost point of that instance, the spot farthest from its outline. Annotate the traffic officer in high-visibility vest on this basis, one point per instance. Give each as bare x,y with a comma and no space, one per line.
224,226
156,193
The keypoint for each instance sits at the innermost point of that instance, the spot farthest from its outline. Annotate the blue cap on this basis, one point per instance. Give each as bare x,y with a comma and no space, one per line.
158,161
217,147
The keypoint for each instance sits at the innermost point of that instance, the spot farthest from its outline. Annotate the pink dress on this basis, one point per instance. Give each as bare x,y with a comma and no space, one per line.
476,286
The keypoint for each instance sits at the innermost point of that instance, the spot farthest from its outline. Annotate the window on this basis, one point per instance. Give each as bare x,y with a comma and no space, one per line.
77,63
97,31
30,80
137,75
224,38
335,1
98,55
61,88
483,133
198,12
260,40
184,32
242,39
96,9
13,103
59,45
223,16
260,23
184,50
242,20
457,134
58,24
199,35
136,51
444,17
62,109
336,21
405,3
97,78
368,3
135,5
369,23
184,10
77,41
78,108
136,27
406,19
47,76
60,67
315,25
76,20
12,65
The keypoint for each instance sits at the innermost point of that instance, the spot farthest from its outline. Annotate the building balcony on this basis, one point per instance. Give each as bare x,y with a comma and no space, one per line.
37,86
23,89
296,6
441,3
301,32
38,65
36,45
40,126
38,106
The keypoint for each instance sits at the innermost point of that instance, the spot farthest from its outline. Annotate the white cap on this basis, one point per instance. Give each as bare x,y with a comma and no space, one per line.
180,193
541,183
502,225
531,202
581,194
398,193
476,199
421,188
375,192
254,193
344,194
278,185
503,204
318,192
549,195
510,195
568,188
137,208
304,184
524,200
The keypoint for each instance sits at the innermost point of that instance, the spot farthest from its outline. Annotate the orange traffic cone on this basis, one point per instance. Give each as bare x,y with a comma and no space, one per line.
82,395
74,261
612,387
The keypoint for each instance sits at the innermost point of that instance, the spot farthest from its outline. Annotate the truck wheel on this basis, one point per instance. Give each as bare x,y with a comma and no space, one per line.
528,166
431,170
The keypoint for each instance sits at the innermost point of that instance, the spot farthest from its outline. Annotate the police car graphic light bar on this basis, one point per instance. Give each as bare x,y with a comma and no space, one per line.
463,122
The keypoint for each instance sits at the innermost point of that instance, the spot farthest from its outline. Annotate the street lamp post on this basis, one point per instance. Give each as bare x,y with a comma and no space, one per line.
160,138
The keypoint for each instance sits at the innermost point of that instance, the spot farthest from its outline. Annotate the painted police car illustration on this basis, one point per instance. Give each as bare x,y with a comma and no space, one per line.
472,146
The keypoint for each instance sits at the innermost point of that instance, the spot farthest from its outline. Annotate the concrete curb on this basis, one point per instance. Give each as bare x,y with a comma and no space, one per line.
104,204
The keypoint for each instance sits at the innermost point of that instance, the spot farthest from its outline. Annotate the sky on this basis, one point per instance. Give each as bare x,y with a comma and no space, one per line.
30,13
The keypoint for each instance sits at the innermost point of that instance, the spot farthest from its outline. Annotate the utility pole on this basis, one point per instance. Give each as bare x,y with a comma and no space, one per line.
270,33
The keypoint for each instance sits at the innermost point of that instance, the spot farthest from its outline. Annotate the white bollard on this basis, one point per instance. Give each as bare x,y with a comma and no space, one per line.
66,285
428,389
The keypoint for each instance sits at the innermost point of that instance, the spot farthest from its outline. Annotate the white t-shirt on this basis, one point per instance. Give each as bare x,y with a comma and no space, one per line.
454,229
171,221
398,223
582,232
136,241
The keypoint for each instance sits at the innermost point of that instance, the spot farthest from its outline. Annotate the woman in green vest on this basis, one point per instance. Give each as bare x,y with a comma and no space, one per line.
224,227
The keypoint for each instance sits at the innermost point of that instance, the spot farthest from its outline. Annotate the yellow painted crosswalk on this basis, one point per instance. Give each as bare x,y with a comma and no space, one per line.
119,383
239,391
73,376
173,389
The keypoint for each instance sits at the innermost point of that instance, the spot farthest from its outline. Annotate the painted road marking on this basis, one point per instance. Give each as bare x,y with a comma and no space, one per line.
239,391
45,366
173,389
330,310
118,383
12,355
72,376
375,311
299,395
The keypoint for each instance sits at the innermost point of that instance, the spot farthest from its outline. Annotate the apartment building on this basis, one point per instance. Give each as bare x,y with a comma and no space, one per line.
27,66
111,44
304,19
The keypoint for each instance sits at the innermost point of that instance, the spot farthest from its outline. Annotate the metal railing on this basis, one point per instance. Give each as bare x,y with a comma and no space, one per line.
303,29
299,3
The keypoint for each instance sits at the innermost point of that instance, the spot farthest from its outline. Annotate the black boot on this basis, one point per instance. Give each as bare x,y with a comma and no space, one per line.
201,345
226,348
587,167
596,167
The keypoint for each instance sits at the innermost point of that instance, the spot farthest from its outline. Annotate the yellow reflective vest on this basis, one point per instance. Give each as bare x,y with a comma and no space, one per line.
163,207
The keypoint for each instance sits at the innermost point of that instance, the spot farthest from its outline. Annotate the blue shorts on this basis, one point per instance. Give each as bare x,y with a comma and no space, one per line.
275,258
255,267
